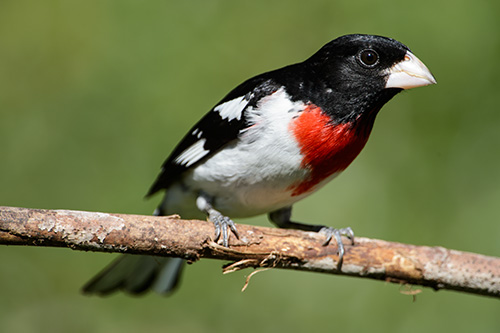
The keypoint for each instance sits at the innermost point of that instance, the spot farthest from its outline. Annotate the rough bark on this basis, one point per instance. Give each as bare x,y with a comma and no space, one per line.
434,267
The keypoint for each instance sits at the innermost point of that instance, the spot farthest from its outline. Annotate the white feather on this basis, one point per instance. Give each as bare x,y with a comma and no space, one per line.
232,109
253,174
197,132
193,154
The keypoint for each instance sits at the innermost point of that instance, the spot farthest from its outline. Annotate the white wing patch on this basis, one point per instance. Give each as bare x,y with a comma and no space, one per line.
198,133
193,154
229,110
232,109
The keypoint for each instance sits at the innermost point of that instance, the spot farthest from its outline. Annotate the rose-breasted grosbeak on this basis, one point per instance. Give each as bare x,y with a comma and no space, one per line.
273,140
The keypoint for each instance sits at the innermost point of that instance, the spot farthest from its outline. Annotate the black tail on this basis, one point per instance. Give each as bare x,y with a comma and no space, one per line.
136,274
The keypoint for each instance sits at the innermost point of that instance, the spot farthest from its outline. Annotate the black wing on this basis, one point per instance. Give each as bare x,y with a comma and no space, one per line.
217,128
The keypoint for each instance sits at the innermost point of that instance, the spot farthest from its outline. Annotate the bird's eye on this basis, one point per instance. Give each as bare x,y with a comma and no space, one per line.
368,58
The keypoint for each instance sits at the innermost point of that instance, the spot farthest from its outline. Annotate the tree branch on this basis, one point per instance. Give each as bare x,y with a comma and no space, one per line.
434,267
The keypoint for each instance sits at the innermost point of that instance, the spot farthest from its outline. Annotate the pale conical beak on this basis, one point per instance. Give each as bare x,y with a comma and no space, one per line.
409,73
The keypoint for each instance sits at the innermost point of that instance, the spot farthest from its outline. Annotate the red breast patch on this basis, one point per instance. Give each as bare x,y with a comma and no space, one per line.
326,147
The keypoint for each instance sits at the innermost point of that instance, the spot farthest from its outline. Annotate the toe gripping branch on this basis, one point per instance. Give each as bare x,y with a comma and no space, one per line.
282,218
221,222
338,233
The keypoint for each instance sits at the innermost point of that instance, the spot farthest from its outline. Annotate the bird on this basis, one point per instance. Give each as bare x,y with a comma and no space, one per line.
273,140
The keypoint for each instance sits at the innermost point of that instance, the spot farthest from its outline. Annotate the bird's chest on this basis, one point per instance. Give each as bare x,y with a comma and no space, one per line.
326,148
288,151
253,174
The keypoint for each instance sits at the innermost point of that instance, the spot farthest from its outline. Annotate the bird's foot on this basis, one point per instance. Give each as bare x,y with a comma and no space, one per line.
222,224
338,233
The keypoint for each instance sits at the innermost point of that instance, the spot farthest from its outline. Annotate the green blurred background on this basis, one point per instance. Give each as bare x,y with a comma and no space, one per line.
95,94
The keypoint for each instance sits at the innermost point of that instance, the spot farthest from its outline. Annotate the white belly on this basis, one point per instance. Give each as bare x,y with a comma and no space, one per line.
253,175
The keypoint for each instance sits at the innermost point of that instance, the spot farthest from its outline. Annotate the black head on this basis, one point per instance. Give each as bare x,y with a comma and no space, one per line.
359,73
358,60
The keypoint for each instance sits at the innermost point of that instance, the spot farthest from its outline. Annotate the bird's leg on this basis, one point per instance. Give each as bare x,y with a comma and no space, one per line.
282,216
220,221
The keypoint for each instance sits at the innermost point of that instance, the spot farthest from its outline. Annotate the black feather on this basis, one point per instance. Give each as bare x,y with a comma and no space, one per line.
331,79
214,129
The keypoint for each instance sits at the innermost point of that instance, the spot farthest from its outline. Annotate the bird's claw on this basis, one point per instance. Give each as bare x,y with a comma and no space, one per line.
338,233
222,223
